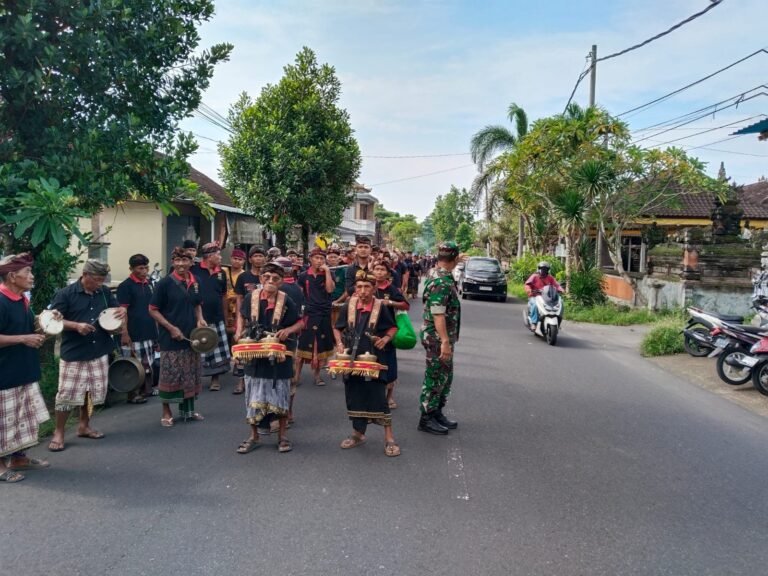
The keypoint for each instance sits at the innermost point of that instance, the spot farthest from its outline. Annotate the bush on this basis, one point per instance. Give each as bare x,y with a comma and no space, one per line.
526,265
663,340
516,290
586,288
614,315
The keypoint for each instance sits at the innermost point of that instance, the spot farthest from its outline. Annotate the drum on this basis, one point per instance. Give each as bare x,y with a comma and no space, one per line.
364,365
109,321
125,374
203,340
269,347
49,322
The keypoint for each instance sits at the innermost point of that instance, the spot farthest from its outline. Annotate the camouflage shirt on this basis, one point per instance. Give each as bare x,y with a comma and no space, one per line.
441,297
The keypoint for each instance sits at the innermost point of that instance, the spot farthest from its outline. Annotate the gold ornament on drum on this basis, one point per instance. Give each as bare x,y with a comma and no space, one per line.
365,365
268,347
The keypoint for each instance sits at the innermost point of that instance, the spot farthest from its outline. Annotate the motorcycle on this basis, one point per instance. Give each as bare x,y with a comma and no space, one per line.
736,361
698,338
155,275
549,306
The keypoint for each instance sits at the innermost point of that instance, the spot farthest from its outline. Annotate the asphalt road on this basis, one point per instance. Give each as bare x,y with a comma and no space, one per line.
582,459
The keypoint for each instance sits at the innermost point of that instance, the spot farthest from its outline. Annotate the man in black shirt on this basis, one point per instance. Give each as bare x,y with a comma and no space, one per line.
22,408
316,341
361,262
85,348
140,331
249,280
213,290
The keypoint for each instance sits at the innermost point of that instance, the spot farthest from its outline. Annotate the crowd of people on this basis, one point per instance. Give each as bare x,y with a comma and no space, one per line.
344,302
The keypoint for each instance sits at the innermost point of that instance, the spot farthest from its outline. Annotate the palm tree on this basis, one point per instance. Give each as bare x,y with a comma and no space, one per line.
485,147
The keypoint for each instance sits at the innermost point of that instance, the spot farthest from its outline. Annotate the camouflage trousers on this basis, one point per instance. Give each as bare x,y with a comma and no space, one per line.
438,378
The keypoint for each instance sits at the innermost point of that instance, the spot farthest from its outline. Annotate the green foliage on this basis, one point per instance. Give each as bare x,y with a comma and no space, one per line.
465,236
474,252
662,340
614,315
586,287
292,157
404,233
49,379
450,211
527,264
516,289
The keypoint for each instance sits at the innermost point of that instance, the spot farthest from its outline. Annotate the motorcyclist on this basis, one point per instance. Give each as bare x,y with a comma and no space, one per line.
535,284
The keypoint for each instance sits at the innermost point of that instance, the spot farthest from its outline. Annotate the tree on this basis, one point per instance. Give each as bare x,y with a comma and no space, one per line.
465,236
404,233
292,158
491,141
450,211
91,94
427,238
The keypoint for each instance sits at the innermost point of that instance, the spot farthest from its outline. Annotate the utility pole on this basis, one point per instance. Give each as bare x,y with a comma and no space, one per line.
592,83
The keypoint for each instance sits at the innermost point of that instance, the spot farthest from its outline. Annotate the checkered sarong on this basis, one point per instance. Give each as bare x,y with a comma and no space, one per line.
22,409
145,352
217,361
78,378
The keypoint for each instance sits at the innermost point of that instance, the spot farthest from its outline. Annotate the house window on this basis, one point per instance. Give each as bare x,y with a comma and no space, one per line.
364,211
630,253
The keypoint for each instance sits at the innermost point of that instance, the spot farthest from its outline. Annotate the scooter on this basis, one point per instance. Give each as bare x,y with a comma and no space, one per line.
698,339
549,306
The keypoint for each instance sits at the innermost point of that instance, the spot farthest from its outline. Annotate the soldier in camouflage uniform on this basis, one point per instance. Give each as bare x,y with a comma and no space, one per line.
439,334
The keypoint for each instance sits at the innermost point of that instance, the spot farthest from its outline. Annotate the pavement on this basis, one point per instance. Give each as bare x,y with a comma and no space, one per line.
582,459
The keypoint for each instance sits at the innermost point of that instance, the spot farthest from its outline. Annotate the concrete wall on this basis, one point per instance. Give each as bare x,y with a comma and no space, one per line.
135,227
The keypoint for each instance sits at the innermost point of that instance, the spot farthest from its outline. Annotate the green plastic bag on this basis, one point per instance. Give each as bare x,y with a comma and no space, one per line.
405,338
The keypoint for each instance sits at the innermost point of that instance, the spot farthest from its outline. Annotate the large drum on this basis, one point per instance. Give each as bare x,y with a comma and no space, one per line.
109,321
49,322
365,365
247,350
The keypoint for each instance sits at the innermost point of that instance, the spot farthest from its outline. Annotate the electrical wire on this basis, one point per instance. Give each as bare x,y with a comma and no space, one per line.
423,175
699,81
583,73
712,129
713,4
423,156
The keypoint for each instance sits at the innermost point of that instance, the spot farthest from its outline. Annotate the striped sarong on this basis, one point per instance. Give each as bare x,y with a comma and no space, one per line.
217,361
77,379
22,410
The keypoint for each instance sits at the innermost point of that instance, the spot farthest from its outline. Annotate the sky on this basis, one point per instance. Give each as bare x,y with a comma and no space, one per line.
420,78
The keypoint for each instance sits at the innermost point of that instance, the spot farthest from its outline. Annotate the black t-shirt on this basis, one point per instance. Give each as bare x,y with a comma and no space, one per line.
391,292
384,323
247,282
295,293
317,300
351,275
135,296
176,301
213,287
19,364
78,306
261,368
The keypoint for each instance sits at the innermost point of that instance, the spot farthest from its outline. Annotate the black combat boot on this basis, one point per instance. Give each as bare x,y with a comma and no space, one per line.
428,423
441,419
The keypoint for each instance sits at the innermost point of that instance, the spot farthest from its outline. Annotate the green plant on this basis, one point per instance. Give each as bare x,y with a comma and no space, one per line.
662,340
526,265
586,288
517,290
614,315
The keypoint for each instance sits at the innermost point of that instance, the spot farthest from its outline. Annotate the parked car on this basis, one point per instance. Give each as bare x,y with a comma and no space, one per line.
483,277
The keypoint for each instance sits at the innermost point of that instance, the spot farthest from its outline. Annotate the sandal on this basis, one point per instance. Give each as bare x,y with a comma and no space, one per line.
319,382
137,400
32,464
352,441
54,446
91,434
215,386
166,422
391,449
392,404
248,445
197,417
284,445
11,476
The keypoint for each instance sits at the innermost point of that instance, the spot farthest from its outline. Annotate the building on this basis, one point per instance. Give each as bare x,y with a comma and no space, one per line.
360,218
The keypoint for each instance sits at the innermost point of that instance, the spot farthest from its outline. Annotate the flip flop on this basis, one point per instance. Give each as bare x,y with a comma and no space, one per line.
11,476
196,416
32,464
319,383
166,422
55,446
284,445
92,435
352,441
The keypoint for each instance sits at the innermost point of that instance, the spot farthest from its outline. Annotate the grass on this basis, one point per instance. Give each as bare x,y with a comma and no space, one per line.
616,315
516,290
663,339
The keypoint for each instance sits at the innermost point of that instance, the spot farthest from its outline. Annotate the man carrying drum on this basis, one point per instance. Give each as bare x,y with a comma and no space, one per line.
85,349
268,382
22,408
213,289
140,331
176,307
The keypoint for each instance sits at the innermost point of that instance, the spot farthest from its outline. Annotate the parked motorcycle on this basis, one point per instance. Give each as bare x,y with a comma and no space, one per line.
697,334
549,306
735,362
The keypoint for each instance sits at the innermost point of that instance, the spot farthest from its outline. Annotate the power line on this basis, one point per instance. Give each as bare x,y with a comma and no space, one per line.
699,81
582,75
422,156
423,175
713,129
713,107
713,4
